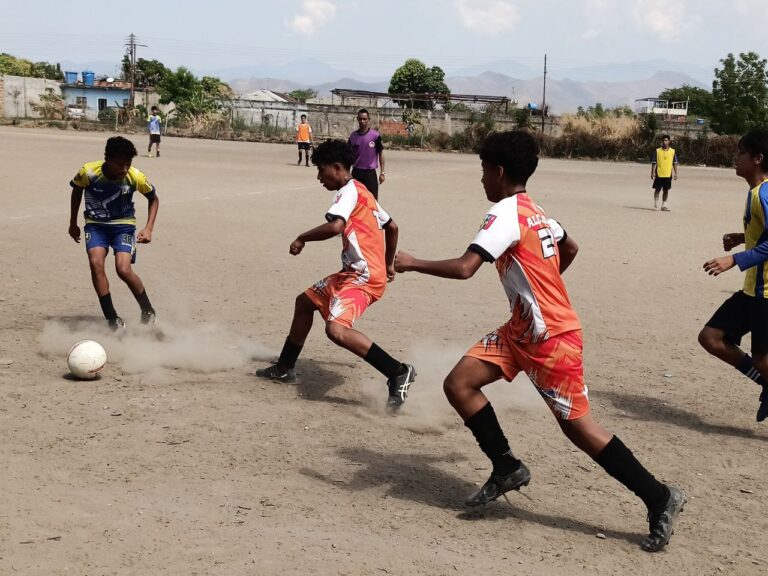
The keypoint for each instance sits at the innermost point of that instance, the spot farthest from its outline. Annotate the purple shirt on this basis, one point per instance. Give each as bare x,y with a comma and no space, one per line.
367,147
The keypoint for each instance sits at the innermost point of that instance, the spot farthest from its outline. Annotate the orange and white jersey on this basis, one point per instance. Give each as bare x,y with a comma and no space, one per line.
364,248
519,237
303,133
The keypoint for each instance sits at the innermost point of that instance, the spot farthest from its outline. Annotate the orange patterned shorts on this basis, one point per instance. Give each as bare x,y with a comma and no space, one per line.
339,299
554,366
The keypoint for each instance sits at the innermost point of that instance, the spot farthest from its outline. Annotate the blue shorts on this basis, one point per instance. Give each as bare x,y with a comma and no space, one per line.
119,237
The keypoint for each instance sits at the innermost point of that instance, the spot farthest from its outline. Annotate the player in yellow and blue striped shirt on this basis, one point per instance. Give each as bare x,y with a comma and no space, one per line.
110,222
747,310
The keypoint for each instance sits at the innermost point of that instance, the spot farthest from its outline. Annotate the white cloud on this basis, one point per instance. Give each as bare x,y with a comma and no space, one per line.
591,34
314,14
662,18
488,16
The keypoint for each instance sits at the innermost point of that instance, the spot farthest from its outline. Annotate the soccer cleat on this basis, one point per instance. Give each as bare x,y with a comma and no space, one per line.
274,372
398,387
762,411
499,484
116,324
148,317
661,523
664,208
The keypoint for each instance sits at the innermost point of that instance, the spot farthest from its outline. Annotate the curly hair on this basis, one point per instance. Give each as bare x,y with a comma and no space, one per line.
332,151
516,151
119,147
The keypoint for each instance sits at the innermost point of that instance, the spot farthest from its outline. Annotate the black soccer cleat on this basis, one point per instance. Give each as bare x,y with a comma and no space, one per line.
399,386
276,373
116,324
148,317
762,411
661,523
499,484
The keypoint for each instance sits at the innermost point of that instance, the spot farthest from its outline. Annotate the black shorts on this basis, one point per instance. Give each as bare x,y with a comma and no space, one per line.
369,179
303,145
154,138
742,314
662,183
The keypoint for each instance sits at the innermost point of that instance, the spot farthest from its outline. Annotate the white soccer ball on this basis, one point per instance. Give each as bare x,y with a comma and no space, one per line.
86,359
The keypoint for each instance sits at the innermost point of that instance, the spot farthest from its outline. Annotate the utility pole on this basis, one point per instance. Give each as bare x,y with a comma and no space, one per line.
544,96
132,45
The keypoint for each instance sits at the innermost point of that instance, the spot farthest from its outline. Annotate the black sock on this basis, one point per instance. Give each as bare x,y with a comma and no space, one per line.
106,306
619,462
289,355
489,435
383,362
747,368
143,301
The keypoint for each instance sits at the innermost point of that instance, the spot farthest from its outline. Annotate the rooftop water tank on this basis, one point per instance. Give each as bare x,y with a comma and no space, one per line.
70,77
88,78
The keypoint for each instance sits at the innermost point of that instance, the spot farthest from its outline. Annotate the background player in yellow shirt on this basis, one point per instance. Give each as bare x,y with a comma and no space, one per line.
110,222
747,310
663,169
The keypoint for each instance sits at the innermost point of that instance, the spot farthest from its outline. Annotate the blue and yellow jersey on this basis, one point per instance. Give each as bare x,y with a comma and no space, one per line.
110,201
664,160
754,257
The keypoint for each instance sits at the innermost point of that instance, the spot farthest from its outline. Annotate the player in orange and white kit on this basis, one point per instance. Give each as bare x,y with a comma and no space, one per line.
542,338
368,264
304,139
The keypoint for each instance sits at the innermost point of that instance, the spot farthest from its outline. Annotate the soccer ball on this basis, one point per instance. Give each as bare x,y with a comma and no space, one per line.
86,359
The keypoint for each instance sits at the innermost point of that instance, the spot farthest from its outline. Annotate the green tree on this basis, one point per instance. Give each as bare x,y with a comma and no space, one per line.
414,77
302,95
740,94
699,99
12,66
148,72
196,100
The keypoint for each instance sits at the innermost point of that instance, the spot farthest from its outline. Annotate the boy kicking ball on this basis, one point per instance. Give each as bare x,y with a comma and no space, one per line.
341,298
747,310
110,222
542,338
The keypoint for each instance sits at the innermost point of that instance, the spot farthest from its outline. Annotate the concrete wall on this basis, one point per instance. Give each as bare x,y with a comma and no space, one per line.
20,93
335,121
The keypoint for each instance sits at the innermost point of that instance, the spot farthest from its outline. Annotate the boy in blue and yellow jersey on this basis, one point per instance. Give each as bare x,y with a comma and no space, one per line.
663,169
110,221
747,310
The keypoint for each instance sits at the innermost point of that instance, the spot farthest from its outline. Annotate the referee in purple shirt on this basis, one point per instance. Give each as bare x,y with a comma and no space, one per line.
369,154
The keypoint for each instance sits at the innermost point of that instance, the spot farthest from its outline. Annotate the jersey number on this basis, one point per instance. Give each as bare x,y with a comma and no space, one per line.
547,242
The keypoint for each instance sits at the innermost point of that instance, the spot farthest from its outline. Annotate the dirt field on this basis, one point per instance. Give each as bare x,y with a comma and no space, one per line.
178,461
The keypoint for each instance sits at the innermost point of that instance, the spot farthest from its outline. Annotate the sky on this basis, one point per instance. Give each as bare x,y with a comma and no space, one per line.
371,38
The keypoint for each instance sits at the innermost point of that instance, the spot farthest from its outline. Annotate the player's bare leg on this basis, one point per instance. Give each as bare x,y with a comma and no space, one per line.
462,387
303,317
127,275
96,260
755,368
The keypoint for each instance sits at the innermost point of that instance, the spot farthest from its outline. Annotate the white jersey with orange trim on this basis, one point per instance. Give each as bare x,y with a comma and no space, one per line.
364,248
519,237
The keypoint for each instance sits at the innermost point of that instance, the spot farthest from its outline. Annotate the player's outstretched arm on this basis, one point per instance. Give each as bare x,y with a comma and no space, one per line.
456,268
568,250
145,236
317,234
74,208
391,233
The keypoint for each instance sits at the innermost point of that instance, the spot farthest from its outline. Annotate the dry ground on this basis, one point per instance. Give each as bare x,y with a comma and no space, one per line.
177,461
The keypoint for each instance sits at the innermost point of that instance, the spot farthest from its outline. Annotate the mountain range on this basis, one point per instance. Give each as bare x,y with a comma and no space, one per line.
613,84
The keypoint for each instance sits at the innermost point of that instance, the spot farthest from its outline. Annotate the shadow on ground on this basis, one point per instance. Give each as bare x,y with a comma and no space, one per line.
414,477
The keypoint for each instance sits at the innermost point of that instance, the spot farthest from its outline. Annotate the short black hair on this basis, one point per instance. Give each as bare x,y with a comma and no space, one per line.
756,142
516,151
332,151
119,147
303,115
665,137
363,111
155,108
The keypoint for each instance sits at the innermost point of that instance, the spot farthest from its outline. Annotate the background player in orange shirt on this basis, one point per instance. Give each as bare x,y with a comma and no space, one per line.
542,338
304,139
368,264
